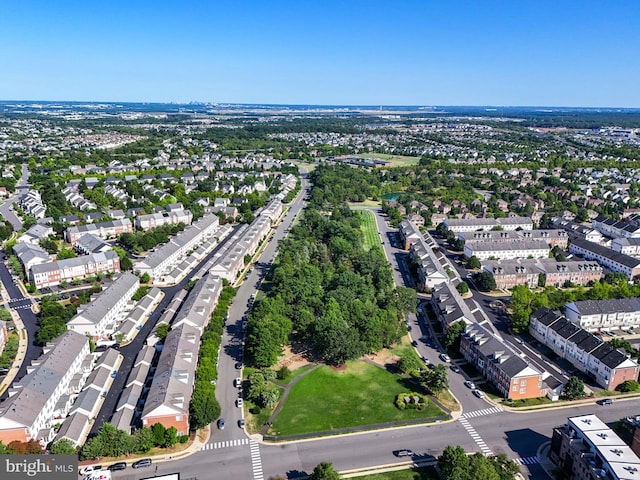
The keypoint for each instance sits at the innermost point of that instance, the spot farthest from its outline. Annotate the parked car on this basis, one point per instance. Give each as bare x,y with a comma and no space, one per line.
478,393
605,401
239,402
405,452
470,384
117,466
241,423
237,382
89,469
143,462
444,357
221,423
455,369
238,365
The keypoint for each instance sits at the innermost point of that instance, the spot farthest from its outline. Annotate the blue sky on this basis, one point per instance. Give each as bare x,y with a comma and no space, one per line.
395,52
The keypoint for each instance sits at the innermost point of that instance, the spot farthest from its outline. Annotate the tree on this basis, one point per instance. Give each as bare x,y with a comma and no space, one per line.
473,263
126,264
452,337
462,288
65,253
162,330
324,471
409,362
573,389
204,408
145,277
485,282
628,386
436,380
64,446
453,460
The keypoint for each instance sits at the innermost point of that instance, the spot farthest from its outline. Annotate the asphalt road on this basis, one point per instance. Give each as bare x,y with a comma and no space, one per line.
5,207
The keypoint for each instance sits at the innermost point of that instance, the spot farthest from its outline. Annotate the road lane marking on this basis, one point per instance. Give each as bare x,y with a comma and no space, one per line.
475,436
484,411
256,461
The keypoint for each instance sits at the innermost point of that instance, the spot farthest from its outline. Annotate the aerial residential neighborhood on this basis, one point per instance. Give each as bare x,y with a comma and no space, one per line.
188,291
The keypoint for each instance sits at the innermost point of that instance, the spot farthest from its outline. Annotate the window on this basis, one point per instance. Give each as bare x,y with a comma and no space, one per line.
523,390
515,388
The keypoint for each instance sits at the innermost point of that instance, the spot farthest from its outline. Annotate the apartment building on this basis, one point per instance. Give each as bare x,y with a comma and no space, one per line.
449,306
514,376
51,274
172,216
614,261
489,249
172,385
615,228
103,230
272,210
627,246
585,448
553,238
30,255
28,412
614,313
458,225
100,317
545,271
608,366
424,251
578,230
161,261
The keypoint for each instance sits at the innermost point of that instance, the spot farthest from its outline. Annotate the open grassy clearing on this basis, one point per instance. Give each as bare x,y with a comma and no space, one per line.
369,229
396,160
422,473
361,394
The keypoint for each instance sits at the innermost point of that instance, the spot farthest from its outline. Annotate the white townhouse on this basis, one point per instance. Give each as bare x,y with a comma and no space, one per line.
28,412
99,317
593,315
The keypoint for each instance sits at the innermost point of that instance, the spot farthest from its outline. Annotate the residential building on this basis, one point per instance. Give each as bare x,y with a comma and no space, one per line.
615,228
90,243
172,385
578,230
51,274
513,375
614,261
585,448
103,230
629,429
449,306
614,313
542,271
488,249
551,237
472,224
627,246
424,251
175,214
35,233
30,255
99,318
608,366
27,413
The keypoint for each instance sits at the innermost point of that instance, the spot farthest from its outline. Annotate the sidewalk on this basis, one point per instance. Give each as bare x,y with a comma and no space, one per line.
22,345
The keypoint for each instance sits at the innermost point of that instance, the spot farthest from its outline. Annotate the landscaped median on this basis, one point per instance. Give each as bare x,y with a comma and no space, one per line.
353,397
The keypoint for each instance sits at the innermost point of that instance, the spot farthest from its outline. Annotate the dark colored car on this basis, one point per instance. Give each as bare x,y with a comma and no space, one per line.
117,466
221,423
605,401
143,462
405,452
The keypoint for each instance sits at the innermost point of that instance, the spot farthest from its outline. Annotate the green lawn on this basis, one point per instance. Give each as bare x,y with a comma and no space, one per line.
369,229
362,394
422,473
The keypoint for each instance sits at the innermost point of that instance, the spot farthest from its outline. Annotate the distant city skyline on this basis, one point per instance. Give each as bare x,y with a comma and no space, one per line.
493,53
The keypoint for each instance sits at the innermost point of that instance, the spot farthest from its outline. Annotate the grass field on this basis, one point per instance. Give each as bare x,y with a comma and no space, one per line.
328,399
369,230
396,160
422,473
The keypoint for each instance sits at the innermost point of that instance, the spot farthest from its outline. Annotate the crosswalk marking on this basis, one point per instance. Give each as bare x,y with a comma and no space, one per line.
256,461
476,437
225,444
480,413
526,460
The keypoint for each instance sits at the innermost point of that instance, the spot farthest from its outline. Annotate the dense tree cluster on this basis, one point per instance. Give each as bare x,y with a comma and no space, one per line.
53,319
455,464
326,288
138,242
111,442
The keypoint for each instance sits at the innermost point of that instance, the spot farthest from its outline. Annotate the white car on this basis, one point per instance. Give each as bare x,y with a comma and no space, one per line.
238,382
239,402
478,393
444,357
470,384
89,469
